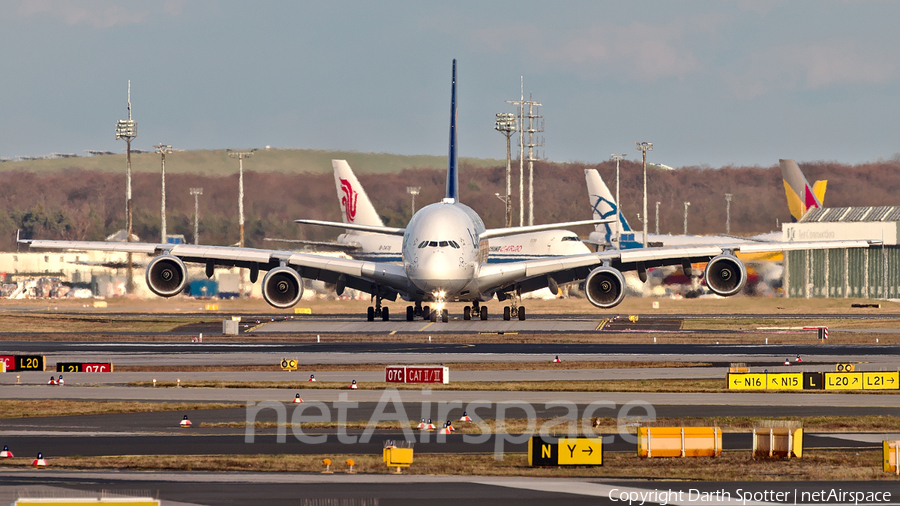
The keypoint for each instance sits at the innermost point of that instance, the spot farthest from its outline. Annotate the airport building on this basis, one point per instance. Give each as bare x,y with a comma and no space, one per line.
872,272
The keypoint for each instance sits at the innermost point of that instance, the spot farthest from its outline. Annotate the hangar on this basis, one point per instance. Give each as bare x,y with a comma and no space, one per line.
856,272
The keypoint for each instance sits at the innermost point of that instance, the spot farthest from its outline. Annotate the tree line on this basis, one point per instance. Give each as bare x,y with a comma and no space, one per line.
77,204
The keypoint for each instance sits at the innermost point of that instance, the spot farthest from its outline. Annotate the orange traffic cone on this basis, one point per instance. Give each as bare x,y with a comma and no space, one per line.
185,422
39,462
6,454
353,385
297,399
465,417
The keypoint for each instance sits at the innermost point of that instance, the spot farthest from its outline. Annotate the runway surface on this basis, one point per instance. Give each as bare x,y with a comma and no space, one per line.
221,489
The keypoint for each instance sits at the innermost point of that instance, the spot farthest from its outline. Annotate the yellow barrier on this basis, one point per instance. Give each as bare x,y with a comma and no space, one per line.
212,307
302,310
892,457
679,442
398,457
771,442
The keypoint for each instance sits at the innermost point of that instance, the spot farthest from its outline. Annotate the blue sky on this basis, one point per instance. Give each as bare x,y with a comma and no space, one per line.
709,83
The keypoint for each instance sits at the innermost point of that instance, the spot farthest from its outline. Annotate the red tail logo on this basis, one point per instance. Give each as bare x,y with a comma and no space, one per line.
348,200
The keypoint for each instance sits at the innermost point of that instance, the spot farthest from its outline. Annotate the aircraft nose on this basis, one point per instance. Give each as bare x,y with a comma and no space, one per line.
439,272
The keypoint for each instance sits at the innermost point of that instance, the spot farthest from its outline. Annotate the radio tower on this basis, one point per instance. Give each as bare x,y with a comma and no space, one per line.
531,129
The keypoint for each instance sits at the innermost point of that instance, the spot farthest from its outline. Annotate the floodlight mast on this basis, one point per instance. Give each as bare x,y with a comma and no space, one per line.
506,124
127,129
413,190
643,147
240,155
196,192
618,238
163,149
728,213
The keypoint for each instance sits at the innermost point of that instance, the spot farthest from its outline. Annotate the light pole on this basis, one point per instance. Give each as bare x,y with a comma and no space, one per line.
657,217
728,213
617,158
196,192
686,205
240,155
163,149
413,190
127,129
506,124
643,147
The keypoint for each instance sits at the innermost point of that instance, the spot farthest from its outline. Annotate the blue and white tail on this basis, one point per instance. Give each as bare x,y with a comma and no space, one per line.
355,204
604,206
452,167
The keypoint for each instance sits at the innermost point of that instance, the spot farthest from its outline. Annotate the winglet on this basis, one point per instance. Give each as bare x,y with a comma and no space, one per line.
452,166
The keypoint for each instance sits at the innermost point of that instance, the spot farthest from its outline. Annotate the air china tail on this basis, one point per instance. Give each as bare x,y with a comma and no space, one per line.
801,197
355,204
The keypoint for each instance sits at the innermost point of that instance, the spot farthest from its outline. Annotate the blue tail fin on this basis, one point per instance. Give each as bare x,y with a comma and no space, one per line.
452,173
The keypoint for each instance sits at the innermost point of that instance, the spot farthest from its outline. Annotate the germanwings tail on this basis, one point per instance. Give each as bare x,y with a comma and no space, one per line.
355,204
604,206
800,196
452,172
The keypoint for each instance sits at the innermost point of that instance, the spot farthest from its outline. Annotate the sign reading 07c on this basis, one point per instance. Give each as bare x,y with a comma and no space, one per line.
80,367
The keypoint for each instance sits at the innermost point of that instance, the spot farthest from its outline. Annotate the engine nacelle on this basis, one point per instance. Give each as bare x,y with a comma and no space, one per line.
605,287
725,275
166,275
282,287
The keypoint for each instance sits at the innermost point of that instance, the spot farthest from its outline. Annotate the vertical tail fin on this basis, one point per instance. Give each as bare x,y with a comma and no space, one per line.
603,204
452,167
355,204
801,197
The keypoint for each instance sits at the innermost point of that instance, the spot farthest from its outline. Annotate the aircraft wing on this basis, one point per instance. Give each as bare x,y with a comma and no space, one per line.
353,226
533,274
321,245
502,232
389,280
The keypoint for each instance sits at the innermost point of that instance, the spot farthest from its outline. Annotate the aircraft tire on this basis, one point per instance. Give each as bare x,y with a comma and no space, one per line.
506,314
410,313
521,313
445,315
467,313
483,314
385,314
432,316
370,314
426,312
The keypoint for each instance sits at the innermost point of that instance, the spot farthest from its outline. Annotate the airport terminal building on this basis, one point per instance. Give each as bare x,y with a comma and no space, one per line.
855,272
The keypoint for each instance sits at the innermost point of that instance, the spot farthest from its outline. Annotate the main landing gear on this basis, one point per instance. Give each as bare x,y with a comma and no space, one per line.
475,311
378,312
514,309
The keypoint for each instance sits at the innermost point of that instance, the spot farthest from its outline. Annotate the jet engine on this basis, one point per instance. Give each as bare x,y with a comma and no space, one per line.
725,275
282,287
605,287
166,275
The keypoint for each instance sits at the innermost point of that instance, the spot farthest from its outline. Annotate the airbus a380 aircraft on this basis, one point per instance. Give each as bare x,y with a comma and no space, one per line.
444,252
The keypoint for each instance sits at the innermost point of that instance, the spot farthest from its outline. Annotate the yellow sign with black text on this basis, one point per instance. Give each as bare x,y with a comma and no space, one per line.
747,381
843,381
881,380
576,451
785,381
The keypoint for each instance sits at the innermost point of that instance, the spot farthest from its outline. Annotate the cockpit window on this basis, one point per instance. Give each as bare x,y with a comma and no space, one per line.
438,244
433,244
443,244
571,238
423,244
454,244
